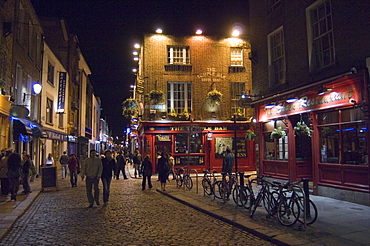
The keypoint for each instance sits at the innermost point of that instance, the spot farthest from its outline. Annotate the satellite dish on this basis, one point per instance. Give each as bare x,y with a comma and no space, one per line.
19,111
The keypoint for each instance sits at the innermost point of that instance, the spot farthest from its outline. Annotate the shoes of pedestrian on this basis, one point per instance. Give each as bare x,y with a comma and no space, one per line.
143,189
126,178
105,204
98,203
90,206
150,187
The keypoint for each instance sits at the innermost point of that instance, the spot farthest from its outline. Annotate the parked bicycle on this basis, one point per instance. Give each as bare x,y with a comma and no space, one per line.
240,195
226,186
183,178
208,182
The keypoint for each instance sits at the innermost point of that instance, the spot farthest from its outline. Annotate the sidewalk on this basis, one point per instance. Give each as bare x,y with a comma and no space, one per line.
10,211
338,223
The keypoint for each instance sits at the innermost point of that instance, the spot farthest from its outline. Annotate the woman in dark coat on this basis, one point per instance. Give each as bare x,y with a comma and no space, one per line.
14,172
74,167
146,171
163,169
109,166
26,173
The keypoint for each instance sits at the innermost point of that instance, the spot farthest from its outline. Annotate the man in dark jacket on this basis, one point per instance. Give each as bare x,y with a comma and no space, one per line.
120,166
228,162
109,165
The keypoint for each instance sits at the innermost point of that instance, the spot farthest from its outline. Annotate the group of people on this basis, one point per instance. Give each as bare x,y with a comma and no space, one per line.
15,170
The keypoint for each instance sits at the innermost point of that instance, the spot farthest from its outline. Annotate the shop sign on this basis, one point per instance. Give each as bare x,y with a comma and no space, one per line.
209,135
163,138
342,95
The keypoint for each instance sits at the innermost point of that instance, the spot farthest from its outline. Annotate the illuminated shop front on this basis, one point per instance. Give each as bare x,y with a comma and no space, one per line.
201,145
325,136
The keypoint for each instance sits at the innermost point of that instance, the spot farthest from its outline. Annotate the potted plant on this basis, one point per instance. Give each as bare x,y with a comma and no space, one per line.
250,135
184,115
130,107
277,133
301,129
214,97
156,96
172,115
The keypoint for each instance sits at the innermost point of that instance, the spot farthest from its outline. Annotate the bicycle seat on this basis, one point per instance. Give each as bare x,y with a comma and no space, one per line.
214,171
180,169
248,175
206,171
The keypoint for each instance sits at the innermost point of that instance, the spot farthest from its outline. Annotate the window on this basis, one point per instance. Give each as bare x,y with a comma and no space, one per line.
237,89
236,57
181,143
31,41
273,4
275,149
343,137
276,57
320,35
49,111
50,73
21,26
61,120
179,96
2,67
178,55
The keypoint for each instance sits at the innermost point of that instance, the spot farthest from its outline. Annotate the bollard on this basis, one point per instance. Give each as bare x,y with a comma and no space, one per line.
241,181
306,196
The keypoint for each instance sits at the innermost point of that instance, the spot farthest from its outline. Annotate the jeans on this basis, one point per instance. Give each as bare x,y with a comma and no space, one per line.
26,185
4,186
149,181
106,188
73,178
120,169
14,187
90,182
64,170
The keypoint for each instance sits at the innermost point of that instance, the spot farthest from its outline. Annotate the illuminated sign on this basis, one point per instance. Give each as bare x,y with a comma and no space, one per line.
61,92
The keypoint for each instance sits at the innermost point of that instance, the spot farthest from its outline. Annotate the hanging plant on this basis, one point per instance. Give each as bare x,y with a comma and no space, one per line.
250,135
214,97
301,129
277,133
173,113
130,107
156,96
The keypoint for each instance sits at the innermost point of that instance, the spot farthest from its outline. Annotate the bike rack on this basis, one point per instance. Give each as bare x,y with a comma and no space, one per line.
196,178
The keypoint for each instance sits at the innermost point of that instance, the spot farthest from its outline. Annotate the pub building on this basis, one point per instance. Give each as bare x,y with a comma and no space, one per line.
326,135
197,145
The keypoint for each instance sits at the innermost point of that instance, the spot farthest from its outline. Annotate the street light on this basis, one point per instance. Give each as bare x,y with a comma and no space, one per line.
37,87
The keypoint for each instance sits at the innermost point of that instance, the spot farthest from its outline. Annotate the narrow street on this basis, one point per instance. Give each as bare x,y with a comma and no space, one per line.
132,217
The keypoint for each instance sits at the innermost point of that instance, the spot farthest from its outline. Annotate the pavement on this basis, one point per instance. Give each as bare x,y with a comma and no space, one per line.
338,223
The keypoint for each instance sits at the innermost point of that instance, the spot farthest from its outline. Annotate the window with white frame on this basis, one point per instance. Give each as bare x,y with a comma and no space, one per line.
237,89
236,56
276,57
50,73
320,35
179,96
178,54
49,111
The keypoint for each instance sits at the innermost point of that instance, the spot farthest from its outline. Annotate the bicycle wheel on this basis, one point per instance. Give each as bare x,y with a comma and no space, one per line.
223,191
274,201
178,180
207,186
188,182
239,195
288,211
311,214
249,199
216,189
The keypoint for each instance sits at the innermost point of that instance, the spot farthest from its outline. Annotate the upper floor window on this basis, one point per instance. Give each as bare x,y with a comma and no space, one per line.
49,111
178,54
236,57
179,96
276,57
50,73
320,35
237,89
273,4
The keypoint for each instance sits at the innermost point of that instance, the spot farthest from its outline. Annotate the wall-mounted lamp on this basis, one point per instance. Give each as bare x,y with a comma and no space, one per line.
270,105
158,30
37,87
323,91
198,31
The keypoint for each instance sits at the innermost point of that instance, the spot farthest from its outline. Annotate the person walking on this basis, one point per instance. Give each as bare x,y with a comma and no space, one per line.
74,168
14,173
146,170
3,176
137,159
64,162
49,161
163,169
92,169
228,162
109,165
171,161
120,165
26,167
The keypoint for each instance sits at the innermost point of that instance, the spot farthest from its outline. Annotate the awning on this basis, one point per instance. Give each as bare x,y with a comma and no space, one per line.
27,127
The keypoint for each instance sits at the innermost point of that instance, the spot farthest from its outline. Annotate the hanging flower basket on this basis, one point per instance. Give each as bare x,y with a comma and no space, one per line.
250,135
156,96
277,133
130,107
301,129
214,97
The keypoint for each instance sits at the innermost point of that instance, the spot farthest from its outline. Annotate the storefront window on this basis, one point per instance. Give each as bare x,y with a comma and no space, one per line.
275,149
344,142
181,143
303,149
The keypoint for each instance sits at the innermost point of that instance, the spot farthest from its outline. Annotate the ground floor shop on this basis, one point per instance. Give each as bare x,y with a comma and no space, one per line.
322,135
198,145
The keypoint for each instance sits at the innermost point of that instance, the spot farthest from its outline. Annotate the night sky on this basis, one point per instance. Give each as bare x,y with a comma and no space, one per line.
107,30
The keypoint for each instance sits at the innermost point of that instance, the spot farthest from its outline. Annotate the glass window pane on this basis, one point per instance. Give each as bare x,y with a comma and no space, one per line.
328,117
329,139
181,141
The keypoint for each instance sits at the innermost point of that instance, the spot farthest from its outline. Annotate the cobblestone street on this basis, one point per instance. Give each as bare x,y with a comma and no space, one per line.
132,217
